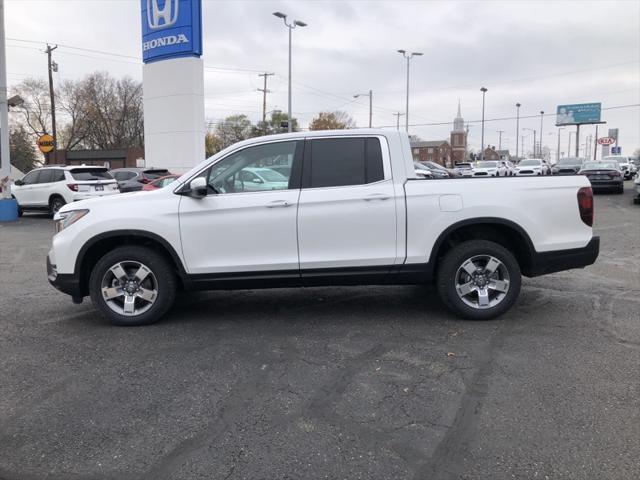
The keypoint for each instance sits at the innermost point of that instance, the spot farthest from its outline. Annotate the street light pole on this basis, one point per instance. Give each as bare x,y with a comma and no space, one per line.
517,127
500,132
484,91
408,56
5,163
370,95
541,117
290,26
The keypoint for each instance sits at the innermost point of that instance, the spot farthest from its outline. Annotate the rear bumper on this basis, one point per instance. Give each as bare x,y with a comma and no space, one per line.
595,184
87,196
559,260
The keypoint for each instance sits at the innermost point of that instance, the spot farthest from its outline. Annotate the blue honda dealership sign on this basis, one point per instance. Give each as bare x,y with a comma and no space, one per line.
170,29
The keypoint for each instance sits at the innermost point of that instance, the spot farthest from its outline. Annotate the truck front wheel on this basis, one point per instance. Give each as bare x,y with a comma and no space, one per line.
479,279
132,286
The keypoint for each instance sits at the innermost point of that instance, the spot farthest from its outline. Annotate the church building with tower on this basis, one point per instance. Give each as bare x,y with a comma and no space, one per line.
458,139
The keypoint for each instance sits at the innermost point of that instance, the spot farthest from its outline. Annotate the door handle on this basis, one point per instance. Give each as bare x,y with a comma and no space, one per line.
278,203
376,196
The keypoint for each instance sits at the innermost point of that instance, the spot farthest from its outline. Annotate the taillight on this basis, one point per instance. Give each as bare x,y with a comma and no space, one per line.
616,174
585,205
73,186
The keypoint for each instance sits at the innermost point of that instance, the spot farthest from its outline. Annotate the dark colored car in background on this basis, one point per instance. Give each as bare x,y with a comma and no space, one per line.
133,179
567,166
604,175
160,182
438,170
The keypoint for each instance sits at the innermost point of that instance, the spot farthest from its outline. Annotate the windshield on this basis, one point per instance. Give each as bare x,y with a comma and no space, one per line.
570,161
463,165
271,176
487,164
530,163
600,166
91,174
435,165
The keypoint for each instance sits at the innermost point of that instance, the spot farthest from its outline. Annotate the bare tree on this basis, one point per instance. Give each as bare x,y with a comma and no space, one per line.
36,109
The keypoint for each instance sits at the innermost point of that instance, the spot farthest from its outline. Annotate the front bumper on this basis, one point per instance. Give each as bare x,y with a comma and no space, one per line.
559,260
67,283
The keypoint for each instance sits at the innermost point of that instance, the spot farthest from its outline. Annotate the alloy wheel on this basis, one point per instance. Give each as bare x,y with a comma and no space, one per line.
482,281
129,288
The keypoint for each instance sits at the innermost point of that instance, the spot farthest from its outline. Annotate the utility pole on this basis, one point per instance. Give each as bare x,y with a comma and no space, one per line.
518,105
264,99
541,117
52,67
500,132
370,95
398,115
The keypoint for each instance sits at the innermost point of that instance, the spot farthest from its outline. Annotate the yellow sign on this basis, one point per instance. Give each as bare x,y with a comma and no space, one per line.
45,143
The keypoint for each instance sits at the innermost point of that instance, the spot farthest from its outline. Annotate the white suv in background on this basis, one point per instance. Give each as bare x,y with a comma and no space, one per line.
49,188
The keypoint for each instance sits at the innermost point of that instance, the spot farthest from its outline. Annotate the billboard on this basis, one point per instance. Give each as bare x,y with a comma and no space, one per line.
578,114
170,29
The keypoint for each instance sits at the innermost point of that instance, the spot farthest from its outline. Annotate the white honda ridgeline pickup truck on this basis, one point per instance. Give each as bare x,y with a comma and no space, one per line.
321,208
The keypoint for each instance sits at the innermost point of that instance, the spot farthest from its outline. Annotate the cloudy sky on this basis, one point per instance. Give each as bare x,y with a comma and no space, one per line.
538,53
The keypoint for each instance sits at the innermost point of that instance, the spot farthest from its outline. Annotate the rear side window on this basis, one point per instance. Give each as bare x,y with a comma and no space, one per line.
46,176
338,162
58,175
85,174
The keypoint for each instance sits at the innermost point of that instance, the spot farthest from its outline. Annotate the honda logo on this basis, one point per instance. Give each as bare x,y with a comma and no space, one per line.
162,17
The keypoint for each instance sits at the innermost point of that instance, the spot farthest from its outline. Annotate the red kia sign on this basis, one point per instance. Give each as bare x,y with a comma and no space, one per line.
606,141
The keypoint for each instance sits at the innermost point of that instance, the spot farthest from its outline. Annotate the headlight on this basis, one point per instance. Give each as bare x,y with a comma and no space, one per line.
66,219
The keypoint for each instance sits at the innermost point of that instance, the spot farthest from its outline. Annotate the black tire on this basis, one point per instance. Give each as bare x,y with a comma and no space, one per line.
448,269
20,209
162,272
56,203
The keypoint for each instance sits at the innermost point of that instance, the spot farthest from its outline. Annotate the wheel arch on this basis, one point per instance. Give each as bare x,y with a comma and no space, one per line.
97,246
499,230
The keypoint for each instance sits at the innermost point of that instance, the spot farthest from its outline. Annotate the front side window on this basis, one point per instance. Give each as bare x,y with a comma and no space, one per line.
249,169
337,162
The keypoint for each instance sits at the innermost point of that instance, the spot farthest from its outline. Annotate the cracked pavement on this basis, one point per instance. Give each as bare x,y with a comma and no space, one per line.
337,383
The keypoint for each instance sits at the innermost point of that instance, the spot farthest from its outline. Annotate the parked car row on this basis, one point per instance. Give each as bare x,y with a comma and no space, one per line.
51,187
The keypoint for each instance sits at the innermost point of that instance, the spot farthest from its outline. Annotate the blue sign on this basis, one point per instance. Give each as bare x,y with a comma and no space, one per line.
170,29
578,114
616,150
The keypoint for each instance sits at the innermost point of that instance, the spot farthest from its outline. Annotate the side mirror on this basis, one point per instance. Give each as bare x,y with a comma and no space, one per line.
198,187
18,183
257,180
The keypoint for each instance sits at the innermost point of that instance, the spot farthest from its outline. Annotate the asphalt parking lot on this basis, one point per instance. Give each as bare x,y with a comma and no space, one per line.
343,383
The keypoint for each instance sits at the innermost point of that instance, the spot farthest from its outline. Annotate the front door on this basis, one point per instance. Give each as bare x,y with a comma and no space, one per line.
247,222
347,212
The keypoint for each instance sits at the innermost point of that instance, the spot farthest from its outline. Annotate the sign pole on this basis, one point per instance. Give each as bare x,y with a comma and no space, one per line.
595,145
577,140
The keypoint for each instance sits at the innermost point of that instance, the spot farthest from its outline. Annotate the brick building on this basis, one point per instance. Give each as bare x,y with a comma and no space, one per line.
438,151
117,158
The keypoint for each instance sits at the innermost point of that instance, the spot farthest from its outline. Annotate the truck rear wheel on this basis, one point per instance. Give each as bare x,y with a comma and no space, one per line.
479,279
132,286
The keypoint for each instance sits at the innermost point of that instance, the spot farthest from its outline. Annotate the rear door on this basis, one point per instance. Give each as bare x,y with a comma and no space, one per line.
347,209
